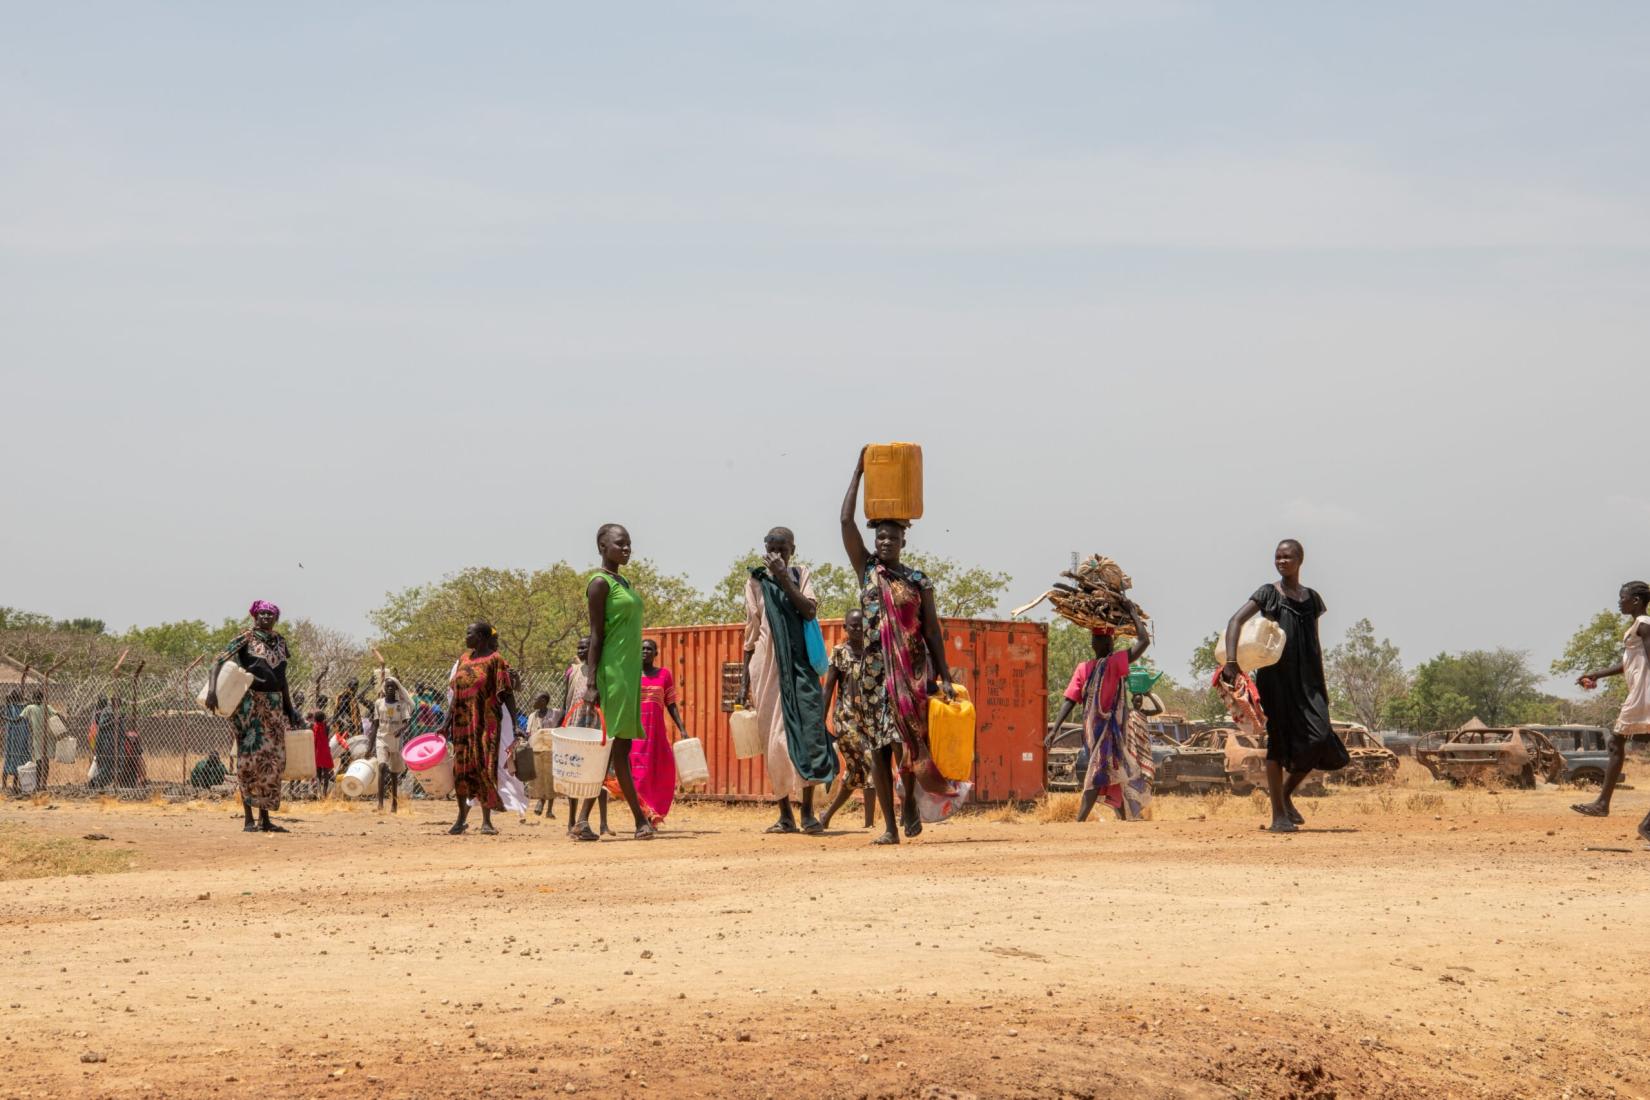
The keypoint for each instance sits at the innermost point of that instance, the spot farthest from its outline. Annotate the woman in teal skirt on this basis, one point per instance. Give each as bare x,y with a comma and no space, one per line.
613,670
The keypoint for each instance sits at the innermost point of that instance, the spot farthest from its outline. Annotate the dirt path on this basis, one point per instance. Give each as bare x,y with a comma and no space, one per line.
1477,951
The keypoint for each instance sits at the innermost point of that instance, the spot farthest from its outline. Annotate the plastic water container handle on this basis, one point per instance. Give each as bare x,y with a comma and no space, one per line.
566,722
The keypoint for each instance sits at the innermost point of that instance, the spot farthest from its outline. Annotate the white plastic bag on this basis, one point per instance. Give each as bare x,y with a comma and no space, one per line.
934,808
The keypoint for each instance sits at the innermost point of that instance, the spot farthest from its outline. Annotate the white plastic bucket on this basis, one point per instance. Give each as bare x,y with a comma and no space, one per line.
747,734
426,756
578,759
692,770
360,779
54,723
26,777
233,682
64,752
300,755
437,781
358,747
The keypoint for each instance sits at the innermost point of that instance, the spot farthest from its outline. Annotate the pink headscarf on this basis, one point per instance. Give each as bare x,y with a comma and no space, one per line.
261,606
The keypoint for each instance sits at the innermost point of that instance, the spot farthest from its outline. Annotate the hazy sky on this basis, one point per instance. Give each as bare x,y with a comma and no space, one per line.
391,289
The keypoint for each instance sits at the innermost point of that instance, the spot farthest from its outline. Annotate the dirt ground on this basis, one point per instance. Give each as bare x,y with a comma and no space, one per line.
1415,944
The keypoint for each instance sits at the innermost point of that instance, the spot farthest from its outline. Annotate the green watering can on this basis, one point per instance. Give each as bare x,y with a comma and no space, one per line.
1142,680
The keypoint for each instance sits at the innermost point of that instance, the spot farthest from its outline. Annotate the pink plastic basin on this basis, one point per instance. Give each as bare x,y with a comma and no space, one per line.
425,751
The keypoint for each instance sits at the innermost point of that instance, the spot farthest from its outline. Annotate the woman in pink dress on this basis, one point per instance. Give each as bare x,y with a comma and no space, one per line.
652,760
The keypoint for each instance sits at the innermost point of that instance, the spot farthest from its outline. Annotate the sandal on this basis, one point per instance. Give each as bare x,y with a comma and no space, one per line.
781,827
583,831
913,828
250,827
646,832
488,830
458,828
1588,809
886,838
813,826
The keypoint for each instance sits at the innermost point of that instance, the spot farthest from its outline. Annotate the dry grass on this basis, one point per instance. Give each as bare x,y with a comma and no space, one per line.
1058,806
1004,813
25,853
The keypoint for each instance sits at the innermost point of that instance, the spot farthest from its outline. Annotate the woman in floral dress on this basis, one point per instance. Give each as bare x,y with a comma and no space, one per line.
905,659
265,714
479,686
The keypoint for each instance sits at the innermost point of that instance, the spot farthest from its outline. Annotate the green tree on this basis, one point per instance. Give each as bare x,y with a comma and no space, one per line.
669,598
1068,646
1204,662
958,591
181,641
539,614
836,590
726,601
961,592
1365,675
68,648
1497,686
1595,645
15,618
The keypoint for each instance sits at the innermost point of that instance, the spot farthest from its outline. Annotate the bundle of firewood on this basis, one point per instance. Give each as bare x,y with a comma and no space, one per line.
1096,597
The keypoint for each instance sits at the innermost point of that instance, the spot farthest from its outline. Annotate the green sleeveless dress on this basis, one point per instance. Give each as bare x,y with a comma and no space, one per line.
619,677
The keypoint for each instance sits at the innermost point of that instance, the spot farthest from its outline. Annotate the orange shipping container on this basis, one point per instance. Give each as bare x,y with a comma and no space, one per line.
1003,664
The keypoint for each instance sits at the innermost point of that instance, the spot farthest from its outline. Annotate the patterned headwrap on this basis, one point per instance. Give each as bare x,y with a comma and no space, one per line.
261,606
1103,631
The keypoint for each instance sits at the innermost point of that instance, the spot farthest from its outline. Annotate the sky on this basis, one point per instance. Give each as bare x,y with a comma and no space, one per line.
312,302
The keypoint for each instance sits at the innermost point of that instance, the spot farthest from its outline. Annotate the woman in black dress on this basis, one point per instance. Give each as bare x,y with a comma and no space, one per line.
1299,738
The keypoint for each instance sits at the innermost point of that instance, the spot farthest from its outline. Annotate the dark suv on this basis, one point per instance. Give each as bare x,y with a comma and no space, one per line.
1583,748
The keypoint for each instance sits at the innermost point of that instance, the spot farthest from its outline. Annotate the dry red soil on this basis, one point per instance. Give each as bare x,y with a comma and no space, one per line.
1482,950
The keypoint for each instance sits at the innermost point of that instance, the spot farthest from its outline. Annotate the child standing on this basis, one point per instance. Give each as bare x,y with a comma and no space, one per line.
323,753
851,718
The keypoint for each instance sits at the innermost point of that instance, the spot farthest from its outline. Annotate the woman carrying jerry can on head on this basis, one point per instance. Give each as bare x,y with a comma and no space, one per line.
905,650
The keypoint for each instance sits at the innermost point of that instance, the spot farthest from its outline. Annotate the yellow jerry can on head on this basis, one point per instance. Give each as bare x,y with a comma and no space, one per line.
893,481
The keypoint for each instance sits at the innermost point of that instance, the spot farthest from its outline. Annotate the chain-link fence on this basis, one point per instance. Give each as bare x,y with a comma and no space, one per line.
110,737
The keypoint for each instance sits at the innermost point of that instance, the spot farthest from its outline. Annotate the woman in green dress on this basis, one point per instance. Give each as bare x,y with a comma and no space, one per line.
613,669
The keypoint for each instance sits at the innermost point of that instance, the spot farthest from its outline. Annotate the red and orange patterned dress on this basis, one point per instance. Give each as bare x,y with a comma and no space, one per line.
476,684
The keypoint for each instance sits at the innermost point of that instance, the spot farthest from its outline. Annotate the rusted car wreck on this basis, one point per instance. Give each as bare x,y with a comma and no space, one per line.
1475,753
1372,762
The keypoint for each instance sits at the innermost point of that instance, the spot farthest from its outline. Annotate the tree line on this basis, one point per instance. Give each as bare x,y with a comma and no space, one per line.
539,615
1369,684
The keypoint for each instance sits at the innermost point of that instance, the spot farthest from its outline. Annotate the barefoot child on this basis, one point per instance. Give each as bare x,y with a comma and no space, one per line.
850,719
323,752
1634,719
393,715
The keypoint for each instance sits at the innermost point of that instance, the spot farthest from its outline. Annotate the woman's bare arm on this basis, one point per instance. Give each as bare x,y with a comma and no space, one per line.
596,598
852,540
1142,639
936,642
